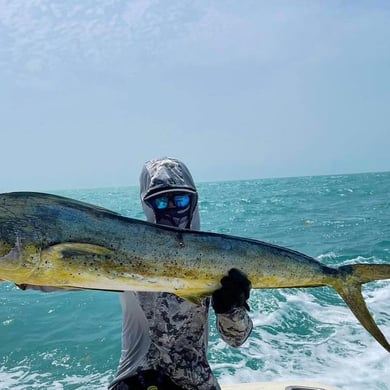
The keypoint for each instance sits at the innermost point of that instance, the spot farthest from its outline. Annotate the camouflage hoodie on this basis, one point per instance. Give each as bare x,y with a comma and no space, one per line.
160,330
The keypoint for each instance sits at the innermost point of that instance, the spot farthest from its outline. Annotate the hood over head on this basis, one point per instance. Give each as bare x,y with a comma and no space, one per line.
164,176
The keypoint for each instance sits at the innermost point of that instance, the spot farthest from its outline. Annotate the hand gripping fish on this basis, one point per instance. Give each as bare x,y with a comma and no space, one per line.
48,240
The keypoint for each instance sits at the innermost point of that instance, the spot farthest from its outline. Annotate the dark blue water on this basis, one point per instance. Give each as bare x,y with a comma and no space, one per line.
71,340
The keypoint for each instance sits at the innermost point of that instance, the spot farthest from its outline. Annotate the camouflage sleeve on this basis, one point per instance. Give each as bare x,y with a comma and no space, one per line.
235,326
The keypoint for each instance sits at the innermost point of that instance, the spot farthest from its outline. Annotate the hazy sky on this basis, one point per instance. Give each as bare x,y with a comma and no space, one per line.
89,89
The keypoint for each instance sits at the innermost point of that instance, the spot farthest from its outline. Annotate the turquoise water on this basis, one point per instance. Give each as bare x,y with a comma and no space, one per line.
71,340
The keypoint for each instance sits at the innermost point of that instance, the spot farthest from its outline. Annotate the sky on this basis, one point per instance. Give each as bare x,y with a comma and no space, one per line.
90,90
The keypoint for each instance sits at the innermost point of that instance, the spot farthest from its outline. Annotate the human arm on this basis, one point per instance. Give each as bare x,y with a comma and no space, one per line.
231,308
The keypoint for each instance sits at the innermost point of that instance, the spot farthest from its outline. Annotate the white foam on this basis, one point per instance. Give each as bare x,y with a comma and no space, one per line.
330,347
20,378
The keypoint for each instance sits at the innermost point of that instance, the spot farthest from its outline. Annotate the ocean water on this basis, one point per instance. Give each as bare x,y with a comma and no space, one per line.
71,340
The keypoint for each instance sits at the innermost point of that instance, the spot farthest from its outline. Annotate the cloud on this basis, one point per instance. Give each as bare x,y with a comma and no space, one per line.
106,85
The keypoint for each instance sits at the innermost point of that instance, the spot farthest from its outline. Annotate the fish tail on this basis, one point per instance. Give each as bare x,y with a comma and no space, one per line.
351,292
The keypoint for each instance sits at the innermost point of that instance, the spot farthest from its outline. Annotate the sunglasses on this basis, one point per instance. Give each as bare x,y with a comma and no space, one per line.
180,201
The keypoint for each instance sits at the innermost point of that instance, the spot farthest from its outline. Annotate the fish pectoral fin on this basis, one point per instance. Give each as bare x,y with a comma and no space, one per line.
76,249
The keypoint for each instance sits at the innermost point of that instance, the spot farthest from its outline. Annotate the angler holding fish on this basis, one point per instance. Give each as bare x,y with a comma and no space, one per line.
47,240
171,333
165,337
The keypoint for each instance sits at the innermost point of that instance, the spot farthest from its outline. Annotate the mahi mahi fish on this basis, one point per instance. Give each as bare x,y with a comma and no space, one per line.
48,240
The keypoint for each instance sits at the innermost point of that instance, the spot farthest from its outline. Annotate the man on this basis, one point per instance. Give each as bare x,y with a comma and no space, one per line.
164,338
